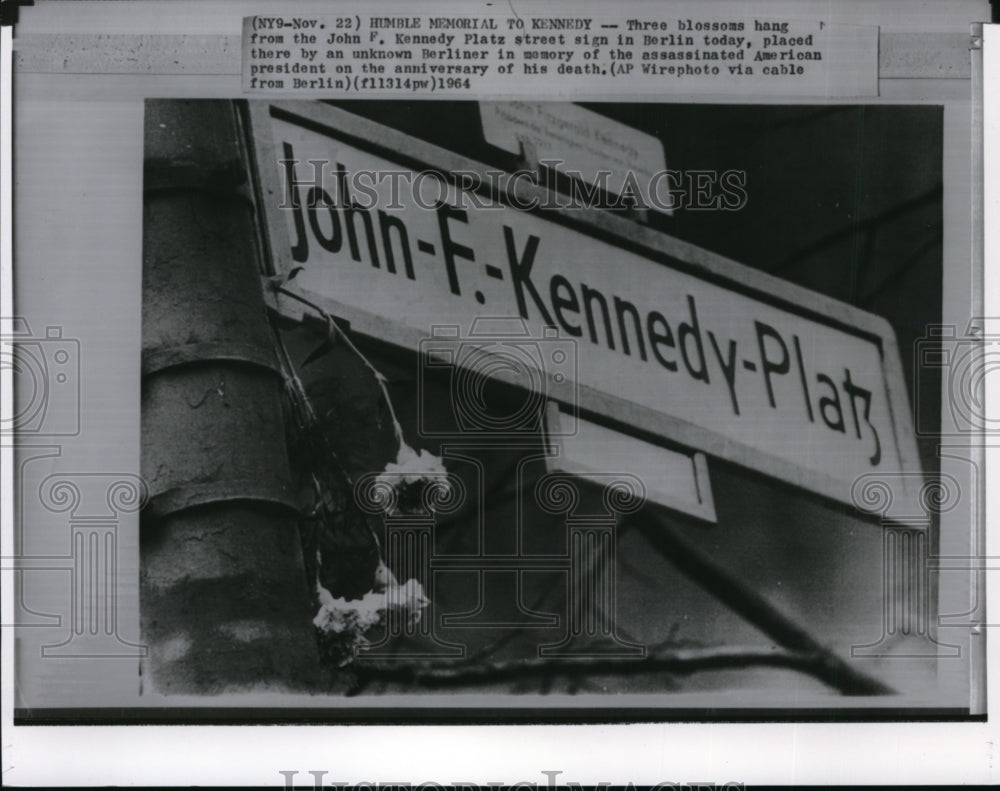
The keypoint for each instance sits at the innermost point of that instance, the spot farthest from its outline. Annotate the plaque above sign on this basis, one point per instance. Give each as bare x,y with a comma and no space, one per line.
586,145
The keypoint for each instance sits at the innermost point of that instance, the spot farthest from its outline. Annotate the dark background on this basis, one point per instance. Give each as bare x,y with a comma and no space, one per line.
845,201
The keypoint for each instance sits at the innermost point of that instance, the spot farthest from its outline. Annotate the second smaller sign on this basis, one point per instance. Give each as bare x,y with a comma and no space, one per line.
580,143
673,479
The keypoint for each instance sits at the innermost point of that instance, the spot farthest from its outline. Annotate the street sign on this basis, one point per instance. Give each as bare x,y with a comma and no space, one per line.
670,339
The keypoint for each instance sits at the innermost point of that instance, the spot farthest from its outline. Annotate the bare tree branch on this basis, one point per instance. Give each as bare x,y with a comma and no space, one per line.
684,660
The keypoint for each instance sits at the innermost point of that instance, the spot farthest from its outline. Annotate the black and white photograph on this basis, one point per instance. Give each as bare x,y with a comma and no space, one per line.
534,374
425,416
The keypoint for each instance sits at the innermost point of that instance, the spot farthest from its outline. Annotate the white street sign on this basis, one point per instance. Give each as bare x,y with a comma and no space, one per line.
669,338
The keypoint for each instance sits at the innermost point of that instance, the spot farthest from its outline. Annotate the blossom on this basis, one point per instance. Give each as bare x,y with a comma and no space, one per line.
344,625
410,474
413,466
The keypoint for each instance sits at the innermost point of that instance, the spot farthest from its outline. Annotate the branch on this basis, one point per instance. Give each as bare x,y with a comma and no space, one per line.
379,377
745,600
684,660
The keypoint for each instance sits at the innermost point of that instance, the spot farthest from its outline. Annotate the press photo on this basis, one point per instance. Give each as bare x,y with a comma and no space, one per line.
550,410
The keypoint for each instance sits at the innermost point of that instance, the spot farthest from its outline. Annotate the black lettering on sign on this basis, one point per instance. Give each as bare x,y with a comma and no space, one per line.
853,393
449,246
660,334
520,273
300,249
692,330
315,199
591,295
830,405
621,309
769,365
728,367
353,209
564,299
802,377
387,223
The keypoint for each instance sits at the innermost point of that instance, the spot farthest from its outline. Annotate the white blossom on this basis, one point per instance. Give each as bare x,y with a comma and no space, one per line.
413,466
346,623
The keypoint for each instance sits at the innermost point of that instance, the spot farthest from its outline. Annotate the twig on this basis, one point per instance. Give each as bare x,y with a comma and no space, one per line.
379,376
752,605
684,660
311,432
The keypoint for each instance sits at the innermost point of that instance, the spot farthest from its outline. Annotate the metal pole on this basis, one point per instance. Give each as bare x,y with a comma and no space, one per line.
224,600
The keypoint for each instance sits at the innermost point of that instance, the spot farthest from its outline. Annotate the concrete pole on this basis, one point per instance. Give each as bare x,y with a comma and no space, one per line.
224,600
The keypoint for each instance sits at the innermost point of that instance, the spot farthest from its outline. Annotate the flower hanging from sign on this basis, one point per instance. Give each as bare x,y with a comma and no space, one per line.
413,483
344,625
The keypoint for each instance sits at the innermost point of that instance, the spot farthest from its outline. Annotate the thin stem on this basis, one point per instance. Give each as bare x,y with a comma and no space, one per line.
682,660
379,377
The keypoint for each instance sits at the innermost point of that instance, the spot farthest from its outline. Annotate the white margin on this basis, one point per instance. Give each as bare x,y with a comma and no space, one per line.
780,753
